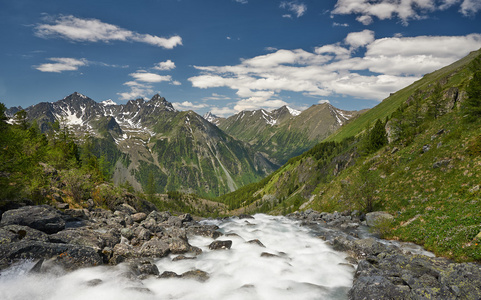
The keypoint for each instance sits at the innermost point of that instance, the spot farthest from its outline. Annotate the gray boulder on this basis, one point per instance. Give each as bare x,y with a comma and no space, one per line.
217,245
42,217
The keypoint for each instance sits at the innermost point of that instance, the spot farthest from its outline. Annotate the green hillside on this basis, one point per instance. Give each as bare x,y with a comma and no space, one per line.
427,176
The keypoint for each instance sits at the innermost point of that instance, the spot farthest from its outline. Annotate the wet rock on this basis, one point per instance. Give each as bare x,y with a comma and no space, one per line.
257,242
94,282
217,245
82,214
173,221
140,289
143,268
244,216
377,217
204,230
198,275
268,255
122,252
42,217
68,256
82,237
169,274
183,257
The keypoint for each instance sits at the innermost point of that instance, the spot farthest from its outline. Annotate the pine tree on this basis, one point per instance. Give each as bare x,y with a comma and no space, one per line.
472,105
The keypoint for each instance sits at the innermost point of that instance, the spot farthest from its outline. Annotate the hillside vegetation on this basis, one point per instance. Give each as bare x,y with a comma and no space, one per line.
416,155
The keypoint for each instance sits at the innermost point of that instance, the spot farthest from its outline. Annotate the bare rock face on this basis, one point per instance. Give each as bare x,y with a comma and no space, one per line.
42,217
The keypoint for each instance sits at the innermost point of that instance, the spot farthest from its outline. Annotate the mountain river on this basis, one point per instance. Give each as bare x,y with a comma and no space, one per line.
301,266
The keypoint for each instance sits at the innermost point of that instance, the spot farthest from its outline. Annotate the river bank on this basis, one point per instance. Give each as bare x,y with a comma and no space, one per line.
308,255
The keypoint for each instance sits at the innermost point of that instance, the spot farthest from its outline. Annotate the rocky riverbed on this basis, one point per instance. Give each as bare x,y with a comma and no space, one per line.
309,255
392,270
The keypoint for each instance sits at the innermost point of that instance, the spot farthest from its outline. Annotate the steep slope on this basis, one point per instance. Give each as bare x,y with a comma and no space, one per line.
284,133
155,147
426,171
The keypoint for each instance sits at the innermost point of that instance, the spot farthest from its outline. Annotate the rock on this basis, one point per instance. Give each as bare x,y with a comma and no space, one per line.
154,248
244,216
127,209
68,256
139,289
186,218
173,221
121,252
143,268
216,245
394,150
159,216
62,206
169,274
183,257
257,242
375,218
94,282
127,233
82,214
204,230
42,217
15,233
81,237
179,246
139,217
198,275
426,148
441,163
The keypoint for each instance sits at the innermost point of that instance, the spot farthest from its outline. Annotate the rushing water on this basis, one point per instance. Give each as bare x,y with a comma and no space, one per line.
304,267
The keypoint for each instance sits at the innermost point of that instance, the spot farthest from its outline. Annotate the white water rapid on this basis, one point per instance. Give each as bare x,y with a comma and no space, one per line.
304,267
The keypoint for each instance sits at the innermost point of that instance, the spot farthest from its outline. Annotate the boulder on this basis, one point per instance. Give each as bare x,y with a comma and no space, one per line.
154,248
19,232
377,217
42,217
198,275
217,245
204,230
68,256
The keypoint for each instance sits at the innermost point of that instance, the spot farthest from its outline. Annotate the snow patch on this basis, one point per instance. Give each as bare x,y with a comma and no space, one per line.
108,102
293,112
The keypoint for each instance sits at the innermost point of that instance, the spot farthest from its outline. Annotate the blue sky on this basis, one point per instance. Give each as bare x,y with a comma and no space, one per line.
226,56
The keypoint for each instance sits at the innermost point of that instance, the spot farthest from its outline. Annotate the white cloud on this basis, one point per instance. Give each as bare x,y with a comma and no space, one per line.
165,65
359,39
187,105
406,10
94,30
62,64
323,101
216,97
241,1
470,7
299,9
386,65
137,90
335,24
175,82
222,111
150,77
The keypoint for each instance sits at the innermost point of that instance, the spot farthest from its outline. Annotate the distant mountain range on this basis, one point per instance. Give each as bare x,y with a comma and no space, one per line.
285,132
149,142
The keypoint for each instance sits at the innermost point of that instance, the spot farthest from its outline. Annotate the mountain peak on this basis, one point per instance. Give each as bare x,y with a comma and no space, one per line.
108,102
157,100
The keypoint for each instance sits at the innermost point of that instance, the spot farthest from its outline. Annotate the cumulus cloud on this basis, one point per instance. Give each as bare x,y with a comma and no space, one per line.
187,105
165,65
144,76
222,111
137,90
61,64
299,9
385,65
359,39
93,30
405,10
